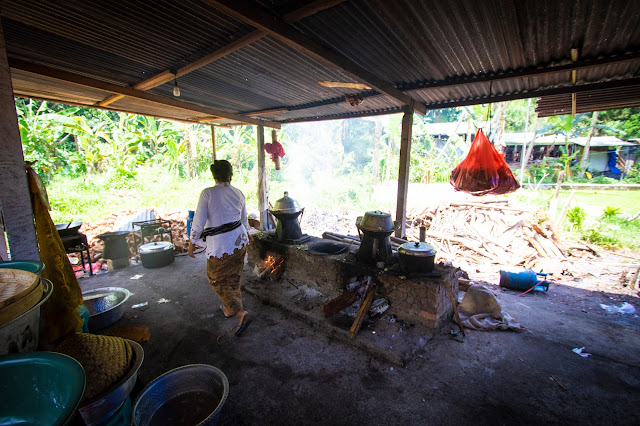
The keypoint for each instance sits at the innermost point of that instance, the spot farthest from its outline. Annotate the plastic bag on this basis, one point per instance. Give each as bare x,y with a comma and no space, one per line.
484,171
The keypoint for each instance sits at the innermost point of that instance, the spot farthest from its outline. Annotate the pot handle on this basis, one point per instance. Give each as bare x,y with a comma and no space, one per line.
359,233
300,217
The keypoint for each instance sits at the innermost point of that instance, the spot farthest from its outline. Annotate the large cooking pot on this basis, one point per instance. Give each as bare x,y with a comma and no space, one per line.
416,257
376,221
156,255
286,205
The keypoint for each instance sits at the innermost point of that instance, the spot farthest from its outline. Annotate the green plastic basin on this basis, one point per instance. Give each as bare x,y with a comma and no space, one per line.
32,266
39,388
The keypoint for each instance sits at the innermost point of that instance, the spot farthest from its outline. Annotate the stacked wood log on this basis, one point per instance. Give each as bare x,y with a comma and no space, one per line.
493,232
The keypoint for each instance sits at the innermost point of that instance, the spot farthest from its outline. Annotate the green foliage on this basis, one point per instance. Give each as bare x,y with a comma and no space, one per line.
611,212
600,237
576,217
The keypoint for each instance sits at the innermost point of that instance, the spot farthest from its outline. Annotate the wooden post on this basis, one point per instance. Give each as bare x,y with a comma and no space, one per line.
263,191
15,200
403,172
274,139
213,141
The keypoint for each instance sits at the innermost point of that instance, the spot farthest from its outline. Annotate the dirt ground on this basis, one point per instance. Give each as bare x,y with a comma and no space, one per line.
285,371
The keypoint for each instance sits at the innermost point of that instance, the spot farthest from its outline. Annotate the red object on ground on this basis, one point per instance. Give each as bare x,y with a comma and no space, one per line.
275,149
484,171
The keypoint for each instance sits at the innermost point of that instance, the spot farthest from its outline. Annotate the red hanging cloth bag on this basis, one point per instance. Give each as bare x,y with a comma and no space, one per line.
483,171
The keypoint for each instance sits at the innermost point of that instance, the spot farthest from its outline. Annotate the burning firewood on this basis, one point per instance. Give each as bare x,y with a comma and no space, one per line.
272,266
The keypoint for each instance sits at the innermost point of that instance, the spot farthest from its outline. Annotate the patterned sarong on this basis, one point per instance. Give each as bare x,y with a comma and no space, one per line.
224,278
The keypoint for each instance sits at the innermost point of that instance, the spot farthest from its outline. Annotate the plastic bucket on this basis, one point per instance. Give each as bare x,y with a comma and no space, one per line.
523,280
21,334
188,395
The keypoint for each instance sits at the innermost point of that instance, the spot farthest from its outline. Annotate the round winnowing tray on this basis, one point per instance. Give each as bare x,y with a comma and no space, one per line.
15,284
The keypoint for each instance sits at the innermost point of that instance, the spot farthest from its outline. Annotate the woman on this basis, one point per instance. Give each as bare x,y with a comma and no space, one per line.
222,207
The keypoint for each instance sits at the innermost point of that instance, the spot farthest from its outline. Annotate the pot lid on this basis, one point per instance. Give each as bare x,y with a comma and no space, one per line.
286,204
417,249
156,247
377,221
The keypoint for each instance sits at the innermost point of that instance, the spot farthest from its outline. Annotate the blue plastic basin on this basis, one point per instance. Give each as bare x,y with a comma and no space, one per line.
41,388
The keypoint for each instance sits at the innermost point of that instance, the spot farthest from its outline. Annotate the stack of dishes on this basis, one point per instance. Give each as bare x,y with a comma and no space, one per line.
21,295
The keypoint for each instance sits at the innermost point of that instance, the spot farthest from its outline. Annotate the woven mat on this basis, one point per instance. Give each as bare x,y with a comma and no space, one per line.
14,284
105,359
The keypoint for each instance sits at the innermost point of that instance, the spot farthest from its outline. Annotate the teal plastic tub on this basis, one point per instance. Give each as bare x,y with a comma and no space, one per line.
40,388
32,266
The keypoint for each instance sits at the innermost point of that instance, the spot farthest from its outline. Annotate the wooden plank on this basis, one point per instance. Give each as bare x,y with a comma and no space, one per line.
15,197
263,194
310,9
403,172
106,108
364,308
251,14
348,85
82,80
213,141
266,112
111,99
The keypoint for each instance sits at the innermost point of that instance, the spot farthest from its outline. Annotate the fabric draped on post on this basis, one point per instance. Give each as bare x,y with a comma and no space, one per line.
60,311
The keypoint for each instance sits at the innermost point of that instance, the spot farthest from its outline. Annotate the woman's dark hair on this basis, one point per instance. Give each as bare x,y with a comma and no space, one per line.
221,170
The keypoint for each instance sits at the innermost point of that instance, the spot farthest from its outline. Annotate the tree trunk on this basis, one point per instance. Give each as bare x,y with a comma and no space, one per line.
584,161
527,152
376,144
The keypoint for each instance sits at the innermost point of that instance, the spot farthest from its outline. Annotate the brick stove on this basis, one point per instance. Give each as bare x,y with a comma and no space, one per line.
417,299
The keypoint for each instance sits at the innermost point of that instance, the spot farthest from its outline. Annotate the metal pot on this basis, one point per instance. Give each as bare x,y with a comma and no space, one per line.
105,305
377,221
416,257
156,255
286,205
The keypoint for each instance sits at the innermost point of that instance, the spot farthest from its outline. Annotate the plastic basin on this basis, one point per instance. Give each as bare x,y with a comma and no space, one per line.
32,266
190,395
39,388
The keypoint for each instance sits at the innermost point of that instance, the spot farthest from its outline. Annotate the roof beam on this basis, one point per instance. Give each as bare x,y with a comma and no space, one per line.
251,14
82,80
168,75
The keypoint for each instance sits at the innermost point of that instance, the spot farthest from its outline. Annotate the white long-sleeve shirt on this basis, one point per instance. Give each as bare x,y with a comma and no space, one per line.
218,205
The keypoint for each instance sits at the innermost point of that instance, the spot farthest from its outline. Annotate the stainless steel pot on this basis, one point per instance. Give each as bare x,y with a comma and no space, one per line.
156,255
416,257
105,305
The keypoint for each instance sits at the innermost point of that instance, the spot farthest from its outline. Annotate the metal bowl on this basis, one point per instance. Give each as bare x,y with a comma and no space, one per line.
104,406
192,394
106,305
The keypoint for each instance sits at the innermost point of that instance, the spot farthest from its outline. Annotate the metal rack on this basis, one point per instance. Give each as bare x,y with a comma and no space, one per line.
150,228
77,243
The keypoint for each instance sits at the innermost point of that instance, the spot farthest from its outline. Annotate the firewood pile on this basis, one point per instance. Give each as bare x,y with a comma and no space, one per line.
178,228
493,232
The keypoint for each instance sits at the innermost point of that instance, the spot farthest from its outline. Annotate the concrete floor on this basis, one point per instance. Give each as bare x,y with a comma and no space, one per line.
284,371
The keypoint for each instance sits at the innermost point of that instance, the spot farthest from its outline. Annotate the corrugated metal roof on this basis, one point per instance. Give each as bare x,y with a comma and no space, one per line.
440,53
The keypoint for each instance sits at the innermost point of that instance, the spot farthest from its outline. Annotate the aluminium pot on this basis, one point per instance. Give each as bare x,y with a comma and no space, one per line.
376,221
416,258
286,205
156,255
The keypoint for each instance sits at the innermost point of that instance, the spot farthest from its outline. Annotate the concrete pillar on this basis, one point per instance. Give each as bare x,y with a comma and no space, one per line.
15,201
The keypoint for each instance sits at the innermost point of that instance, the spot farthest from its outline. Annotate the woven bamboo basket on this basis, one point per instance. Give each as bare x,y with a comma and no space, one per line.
19,292
14,284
